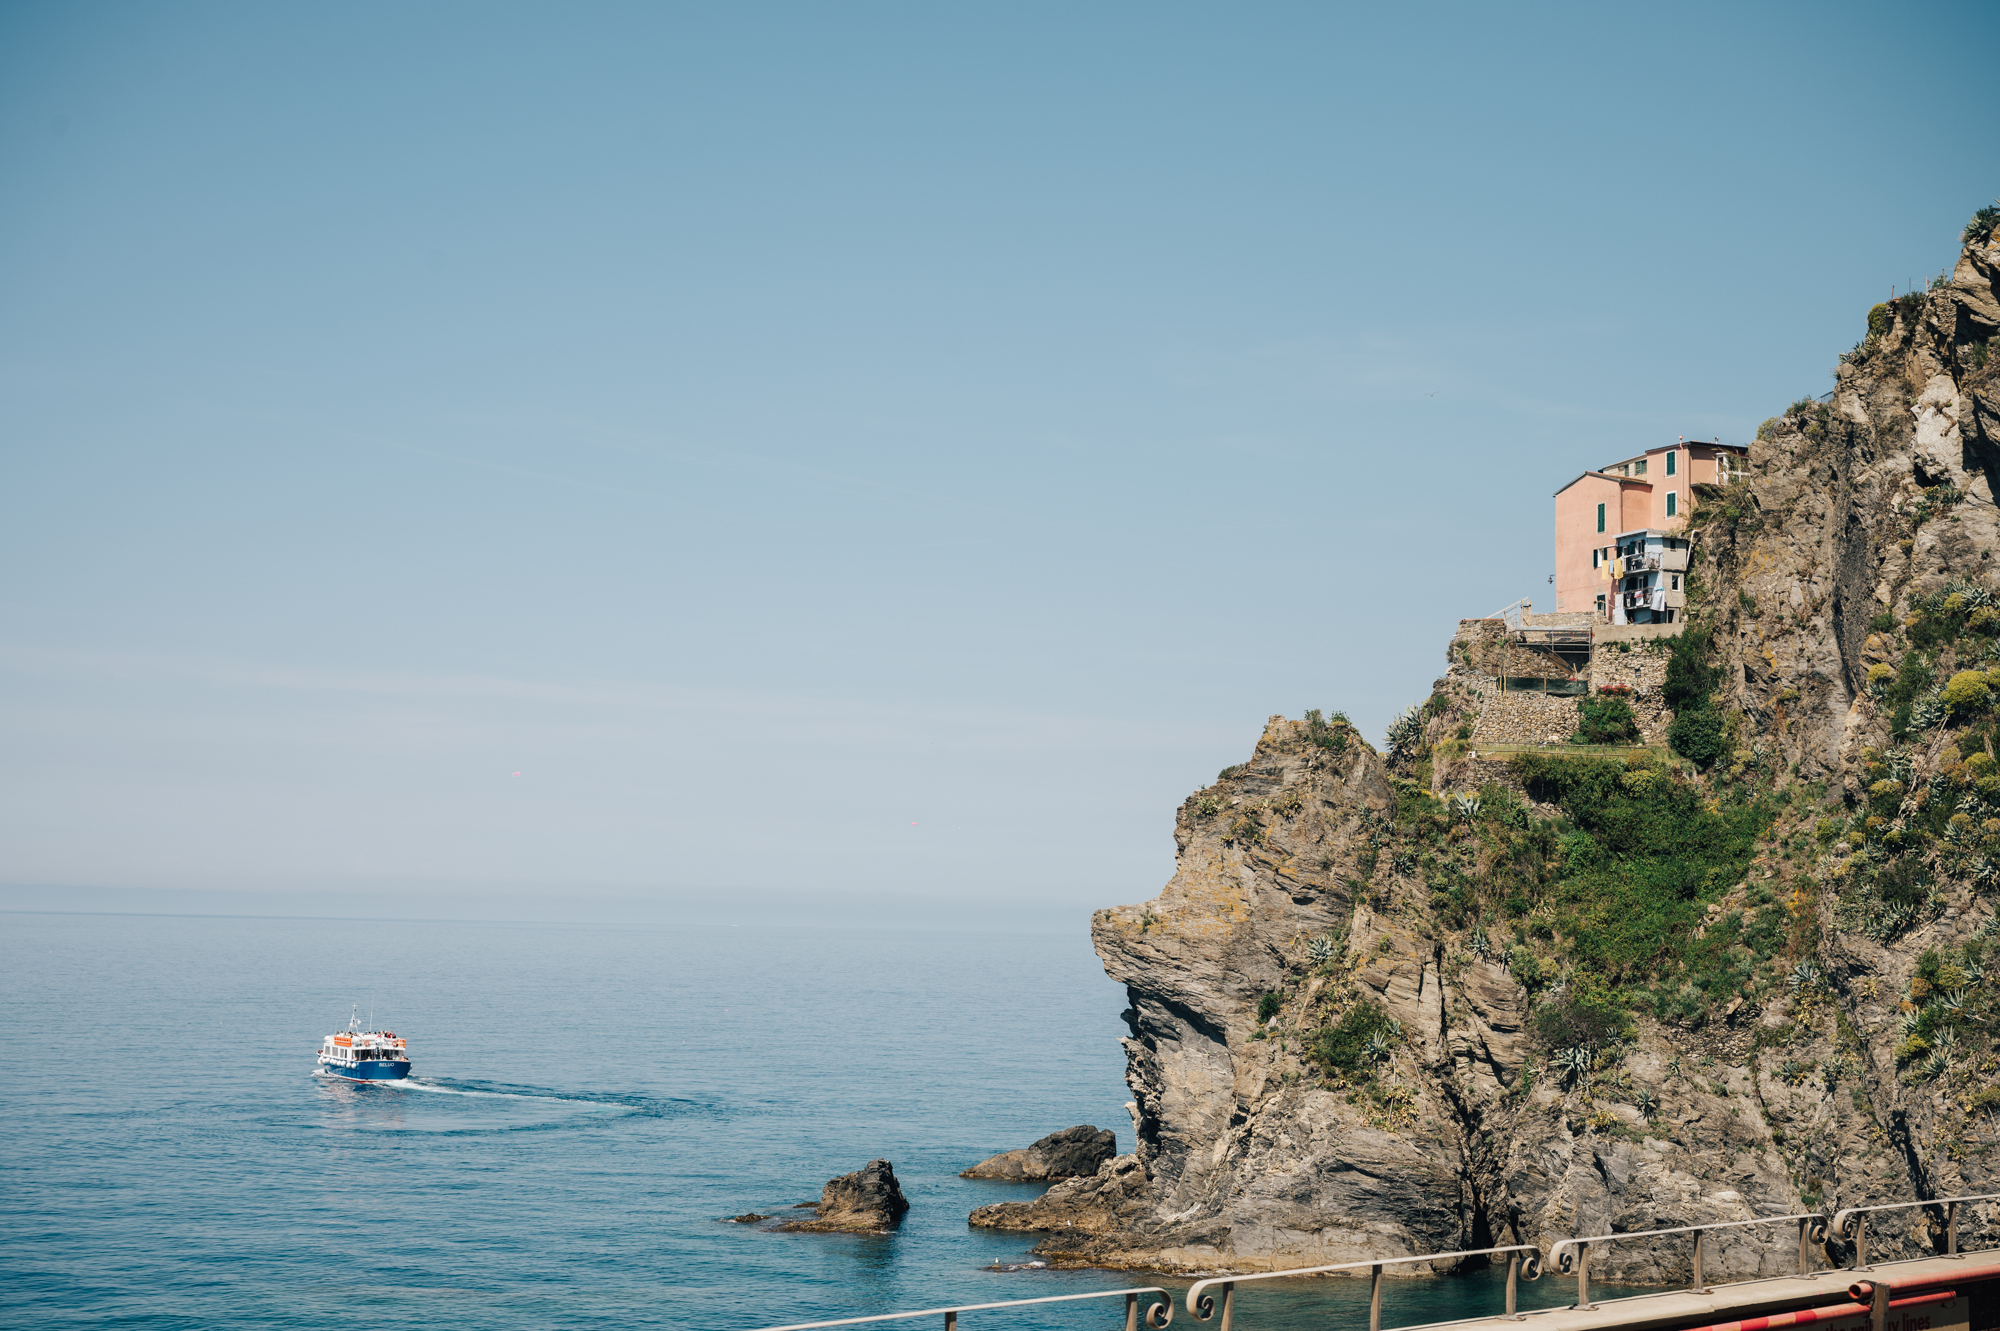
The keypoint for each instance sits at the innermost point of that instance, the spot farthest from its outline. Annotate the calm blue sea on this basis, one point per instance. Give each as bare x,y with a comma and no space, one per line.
591,1102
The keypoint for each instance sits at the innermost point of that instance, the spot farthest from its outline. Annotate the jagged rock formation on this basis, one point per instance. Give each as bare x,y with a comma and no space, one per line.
1072,1153
1770,1061
868,1201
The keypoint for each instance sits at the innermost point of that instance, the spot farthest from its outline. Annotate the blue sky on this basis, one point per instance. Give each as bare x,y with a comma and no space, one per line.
857,451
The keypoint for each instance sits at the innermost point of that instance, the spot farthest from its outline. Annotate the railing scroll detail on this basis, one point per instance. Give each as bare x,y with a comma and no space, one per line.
1159,1312
1572,1256
1852,1222
1524,1262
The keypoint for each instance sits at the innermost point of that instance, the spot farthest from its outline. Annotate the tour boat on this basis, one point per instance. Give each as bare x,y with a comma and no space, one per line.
360,1055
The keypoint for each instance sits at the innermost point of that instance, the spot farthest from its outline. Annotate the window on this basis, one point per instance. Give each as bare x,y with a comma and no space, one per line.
1593,557
1639,467
1600,517
1677,582
1670,503
1670,462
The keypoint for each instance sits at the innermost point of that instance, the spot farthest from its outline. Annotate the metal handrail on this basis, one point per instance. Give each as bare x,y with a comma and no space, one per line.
1158,1314
1201,1304
1852,1222
1574,1254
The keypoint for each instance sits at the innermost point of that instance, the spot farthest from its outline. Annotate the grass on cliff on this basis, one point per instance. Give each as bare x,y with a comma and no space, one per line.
1643,852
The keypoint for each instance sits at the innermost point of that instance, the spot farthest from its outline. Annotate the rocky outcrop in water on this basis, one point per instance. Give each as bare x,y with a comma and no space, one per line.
1071,1153
868,1201
1362,1009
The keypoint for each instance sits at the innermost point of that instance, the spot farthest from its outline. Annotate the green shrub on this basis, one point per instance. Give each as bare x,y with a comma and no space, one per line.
1902,881
1689,679
1267,1007
1697,735
1580,1019
1882,622
1602,720
1879,320
1967,692
1343,1046
1327,734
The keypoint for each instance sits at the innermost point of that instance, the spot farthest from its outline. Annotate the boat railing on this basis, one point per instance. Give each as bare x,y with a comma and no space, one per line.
1524,1262
1852,1222
1157,1314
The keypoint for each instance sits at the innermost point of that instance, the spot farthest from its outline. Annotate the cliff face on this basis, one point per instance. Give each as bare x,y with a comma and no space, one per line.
1370,1015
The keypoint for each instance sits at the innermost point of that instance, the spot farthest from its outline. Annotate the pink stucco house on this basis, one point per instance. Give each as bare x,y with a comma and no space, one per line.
1618,551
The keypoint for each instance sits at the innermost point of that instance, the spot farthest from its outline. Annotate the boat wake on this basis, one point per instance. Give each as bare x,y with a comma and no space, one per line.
644,1105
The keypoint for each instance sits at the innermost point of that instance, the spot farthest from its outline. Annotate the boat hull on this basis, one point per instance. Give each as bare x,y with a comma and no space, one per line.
369,1070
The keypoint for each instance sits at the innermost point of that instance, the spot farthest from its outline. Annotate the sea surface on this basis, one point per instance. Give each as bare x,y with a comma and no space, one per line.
591,1102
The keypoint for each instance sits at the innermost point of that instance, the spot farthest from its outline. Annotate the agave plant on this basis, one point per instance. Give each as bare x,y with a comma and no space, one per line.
1646,1103
1974,972
1575,1063
1952,1002
1404,862
1935,1066
1985,871
1804,976
1466,807
1976,596
1890,920
1377,1047
1480,943
1944,1043
1907,1026
1928,712
1406,732
1897,763
1321,949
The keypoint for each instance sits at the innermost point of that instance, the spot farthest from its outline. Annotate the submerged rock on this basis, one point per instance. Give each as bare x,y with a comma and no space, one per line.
868,1201
1072,1153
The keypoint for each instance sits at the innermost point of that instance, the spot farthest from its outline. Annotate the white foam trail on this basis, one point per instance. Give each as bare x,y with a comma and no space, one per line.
432,1088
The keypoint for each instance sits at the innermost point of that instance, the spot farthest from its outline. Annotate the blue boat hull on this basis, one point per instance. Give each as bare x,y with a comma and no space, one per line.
370,1070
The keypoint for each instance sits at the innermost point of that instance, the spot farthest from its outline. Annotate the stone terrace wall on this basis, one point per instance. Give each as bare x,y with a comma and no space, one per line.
1524,718
1645,671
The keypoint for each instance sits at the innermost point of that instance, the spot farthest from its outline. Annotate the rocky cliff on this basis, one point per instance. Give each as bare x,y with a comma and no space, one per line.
1425,1001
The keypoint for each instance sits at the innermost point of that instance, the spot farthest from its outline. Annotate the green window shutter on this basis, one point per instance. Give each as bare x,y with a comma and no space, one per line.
1670,462
1600,517
1670,503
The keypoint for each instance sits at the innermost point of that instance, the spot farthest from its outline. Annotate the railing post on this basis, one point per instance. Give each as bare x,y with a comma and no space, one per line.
1583,1276
1513,1270
1375,1297
951,1321
1878,1306
1131,1312
1802,1247
1229,1306
1951,1229
1699,1288
1861,1243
